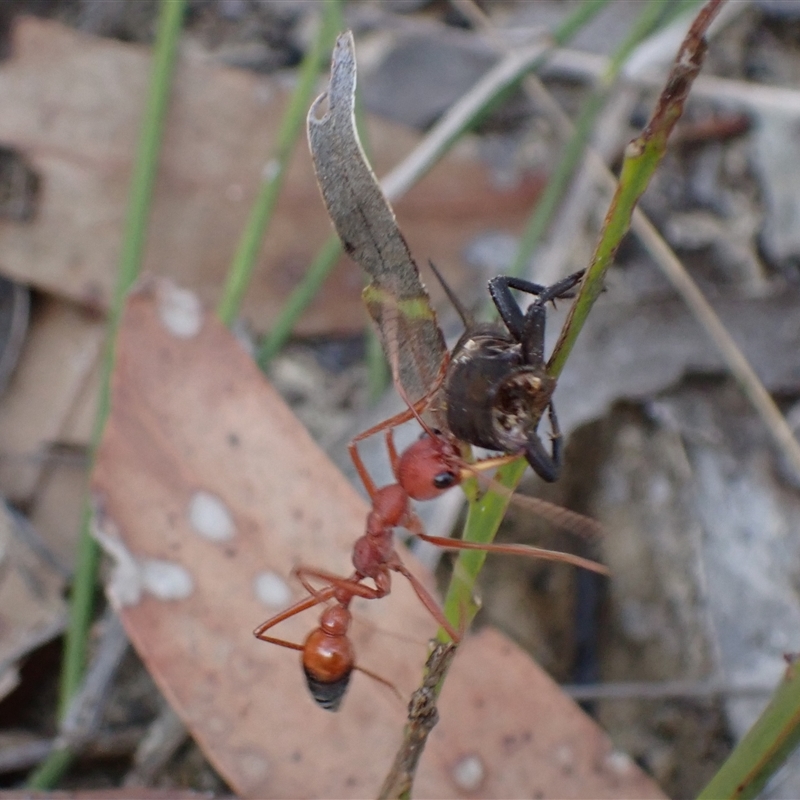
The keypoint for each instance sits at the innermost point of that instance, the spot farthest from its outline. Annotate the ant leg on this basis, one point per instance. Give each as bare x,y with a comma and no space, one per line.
516,550
304,573
414,526
392,422
379,679
426,598
302,605
466,317
547,467
475,469
335,583
413,411
562,517
421,404
387,424
394,458
555,436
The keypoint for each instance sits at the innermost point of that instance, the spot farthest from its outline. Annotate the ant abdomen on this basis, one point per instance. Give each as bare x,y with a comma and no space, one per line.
329,658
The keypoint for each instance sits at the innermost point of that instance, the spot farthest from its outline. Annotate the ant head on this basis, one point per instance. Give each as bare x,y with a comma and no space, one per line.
329,659
429,467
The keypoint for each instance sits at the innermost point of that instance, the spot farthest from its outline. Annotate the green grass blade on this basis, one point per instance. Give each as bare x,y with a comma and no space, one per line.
291,129
765,747
299,300
146,165
484,516
486,512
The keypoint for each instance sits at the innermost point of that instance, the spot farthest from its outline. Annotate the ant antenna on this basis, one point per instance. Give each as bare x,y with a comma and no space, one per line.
466,317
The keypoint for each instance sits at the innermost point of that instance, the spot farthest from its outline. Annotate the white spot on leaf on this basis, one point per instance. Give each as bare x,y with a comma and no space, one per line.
564,757
124,586
469,773
253,766
272,590
210,517
166,580
619,763
180,311
131,577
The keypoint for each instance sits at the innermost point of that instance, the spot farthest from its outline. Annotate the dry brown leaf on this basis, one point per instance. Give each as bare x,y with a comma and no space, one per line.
78,126
127,793
195,426
32,609
57,506
46,392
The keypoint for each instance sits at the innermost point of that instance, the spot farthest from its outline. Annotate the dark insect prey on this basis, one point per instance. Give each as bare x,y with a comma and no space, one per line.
496,386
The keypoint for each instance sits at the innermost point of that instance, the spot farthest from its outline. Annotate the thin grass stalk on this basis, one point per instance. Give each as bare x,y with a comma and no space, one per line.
486,512
765,748
292,125
138,212
299,300
477,103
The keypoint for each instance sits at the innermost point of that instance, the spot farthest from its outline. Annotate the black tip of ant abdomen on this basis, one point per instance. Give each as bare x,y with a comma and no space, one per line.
328,694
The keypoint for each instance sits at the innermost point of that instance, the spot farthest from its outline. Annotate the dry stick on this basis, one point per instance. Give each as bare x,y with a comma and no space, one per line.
422,718
80,726
739,366
104,743
661,690
85,712
163,738
452,124
680,279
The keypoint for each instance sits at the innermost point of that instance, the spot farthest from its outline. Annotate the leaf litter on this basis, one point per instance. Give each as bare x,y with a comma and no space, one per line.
704,455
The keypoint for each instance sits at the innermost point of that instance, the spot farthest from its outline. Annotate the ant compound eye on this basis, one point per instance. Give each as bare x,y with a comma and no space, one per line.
444,480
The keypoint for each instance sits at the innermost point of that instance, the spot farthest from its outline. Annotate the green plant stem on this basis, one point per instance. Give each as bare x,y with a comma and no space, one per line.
766,746
486,512
299,300
290,130
642,157
143,178
645,23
